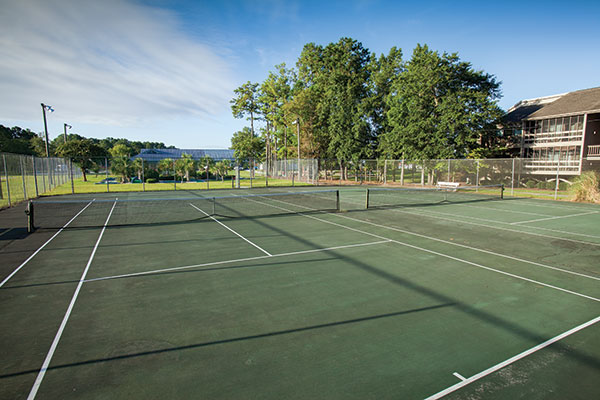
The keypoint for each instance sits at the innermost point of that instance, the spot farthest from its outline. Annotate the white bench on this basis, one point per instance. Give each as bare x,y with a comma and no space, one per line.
448,185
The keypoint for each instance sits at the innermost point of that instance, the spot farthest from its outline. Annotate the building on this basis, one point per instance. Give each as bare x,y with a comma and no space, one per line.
560,132
155,155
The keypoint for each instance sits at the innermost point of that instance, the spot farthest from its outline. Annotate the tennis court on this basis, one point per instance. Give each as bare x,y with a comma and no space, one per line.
297,294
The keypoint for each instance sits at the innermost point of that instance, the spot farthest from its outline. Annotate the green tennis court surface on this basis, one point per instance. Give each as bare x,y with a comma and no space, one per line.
282,297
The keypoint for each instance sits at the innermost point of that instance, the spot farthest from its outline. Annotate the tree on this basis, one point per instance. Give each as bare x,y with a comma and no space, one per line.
184,166
165,166
83,153
222,168
120,162
384,71
206,164
246,102
247,147
439,107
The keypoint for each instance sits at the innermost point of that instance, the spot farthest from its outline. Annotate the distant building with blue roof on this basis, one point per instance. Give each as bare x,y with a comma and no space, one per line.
155,155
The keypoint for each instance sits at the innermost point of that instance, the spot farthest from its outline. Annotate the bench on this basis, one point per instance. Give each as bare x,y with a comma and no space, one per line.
448,185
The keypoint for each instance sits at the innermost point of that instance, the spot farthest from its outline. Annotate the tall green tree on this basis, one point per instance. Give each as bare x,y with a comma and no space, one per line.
184,166
84,153
246,102
439,107
247,149
165,166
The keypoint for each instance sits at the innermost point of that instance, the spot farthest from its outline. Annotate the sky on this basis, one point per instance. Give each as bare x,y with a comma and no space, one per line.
165,70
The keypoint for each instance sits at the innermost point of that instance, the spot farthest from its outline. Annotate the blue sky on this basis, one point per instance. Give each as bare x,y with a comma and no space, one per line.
165,71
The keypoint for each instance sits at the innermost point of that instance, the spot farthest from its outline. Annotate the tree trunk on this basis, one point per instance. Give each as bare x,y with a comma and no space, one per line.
84,174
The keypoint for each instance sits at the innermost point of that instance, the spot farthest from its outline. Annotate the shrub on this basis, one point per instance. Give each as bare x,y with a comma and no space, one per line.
541,185
530,184
151,180
551,185
563,186
587,187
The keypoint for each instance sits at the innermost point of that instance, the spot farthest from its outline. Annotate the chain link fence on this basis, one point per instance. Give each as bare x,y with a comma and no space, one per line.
519,176
24,177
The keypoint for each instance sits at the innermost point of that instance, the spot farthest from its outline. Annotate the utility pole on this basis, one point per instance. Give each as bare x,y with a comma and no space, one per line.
67,126
44,108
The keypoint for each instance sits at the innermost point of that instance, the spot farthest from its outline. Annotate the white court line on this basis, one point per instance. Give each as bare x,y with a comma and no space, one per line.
44,245
42,373
469,247
156,271
549,218
232,231
507,229
511,360
6,231
429,212
459,376
435,252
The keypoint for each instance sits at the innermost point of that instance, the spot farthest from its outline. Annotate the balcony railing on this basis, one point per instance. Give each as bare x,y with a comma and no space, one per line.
548,167
593,151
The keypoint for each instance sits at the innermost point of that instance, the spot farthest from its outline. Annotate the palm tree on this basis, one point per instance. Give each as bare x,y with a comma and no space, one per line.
165,166
222,168
184,166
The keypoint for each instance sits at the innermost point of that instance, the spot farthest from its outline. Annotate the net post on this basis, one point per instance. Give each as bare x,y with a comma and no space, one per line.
367,199
337,200
502,191
30,218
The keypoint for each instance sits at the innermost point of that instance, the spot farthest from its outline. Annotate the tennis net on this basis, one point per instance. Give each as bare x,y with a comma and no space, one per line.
55,214
407,197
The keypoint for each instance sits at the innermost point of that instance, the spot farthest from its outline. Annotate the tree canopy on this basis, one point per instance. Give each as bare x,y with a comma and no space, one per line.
351,104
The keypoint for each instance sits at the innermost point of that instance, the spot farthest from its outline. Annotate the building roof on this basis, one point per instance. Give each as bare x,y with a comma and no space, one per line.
155,155
578,102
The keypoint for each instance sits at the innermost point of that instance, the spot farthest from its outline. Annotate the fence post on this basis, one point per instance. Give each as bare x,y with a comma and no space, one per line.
43,175
37,194
143,177
557,173
174,176
71,176
512,179
1,191
23,178
106,173
402,173
7,183
384,172
477,178
449,170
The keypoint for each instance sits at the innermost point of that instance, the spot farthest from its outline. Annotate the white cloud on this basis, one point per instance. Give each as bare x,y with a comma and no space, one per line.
105,62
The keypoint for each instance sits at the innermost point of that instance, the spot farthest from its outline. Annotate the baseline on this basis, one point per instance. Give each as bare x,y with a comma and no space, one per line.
511,360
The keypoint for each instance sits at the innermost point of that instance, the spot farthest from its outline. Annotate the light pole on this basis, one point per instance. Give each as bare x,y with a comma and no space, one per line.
44,108
67,126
